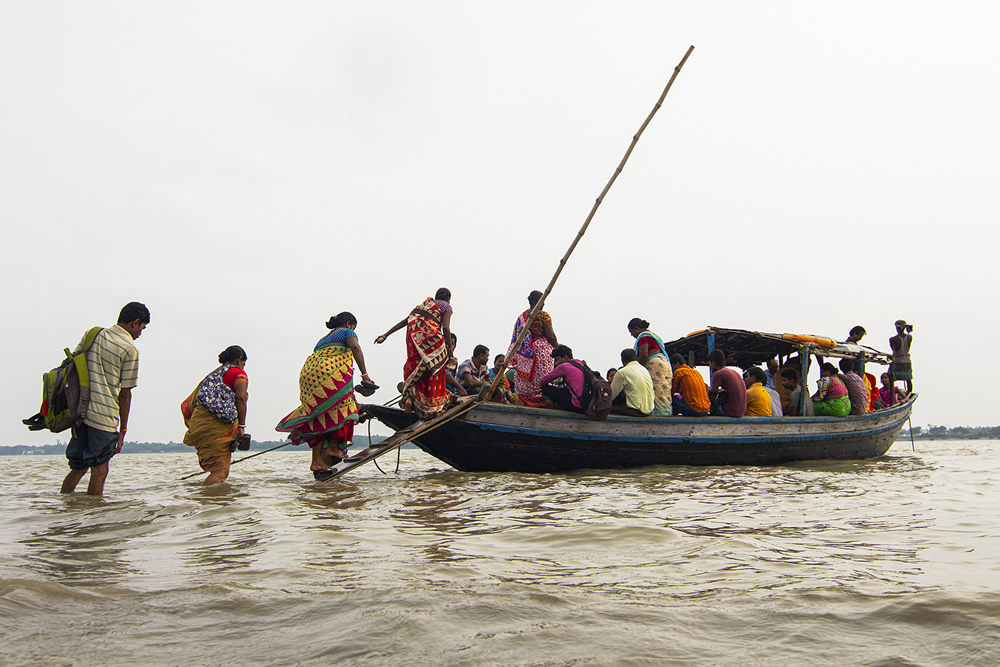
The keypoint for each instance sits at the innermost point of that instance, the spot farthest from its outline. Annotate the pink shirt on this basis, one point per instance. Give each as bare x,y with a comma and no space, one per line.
573,377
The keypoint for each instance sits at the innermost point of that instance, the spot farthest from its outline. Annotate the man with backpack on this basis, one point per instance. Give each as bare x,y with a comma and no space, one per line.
113,369
563,387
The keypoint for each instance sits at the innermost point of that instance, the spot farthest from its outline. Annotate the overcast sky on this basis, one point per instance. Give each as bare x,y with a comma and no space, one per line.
248,169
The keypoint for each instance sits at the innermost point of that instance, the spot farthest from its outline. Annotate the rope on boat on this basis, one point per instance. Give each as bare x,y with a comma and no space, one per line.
375,461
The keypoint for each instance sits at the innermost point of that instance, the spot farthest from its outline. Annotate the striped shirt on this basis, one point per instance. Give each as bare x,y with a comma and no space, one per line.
113,365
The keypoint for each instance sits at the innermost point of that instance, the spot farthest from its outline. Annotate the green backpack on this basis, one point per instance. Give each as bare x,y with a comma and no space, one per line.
65,391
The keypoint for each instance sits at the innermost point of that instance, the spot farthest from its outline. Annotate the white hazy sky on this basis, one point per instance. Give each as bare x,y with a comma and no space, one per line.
248,169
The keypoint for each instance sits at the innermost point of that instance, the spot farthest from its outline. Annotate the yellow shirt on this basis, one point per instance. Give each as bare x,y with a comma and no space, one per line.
758,401
635,381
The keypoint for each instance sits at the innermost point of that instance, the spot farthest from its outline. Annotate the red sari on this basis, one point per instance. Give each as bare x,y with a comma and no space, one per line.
533,358
426,356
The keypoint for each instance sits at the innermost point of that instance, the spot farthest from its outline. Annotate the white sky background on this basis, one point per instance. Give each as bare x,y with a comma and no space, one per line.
248,169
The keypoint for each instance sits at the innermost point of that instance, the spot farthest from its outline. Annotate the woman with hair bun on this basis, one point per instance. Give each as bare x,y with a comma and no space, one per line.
328,410
533,359
215,414
651,354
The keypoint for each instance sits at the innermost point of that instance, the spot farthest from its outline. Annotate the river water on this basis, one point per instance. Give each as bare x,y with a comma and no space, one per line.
888,562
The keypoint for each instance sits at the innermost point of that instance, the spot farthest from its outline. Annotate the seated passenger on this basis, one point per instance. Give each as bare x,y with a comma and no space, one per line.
758,400
728,386
563,386
632,388
451,383
856,390
776,409
831,399
688,389
790,381
889,395
871,384
474,373
772,373
504,387
611,374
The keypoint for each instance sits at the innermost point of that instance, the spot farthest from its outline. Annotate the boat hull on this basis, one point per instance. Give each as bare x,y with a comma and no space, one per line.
503,438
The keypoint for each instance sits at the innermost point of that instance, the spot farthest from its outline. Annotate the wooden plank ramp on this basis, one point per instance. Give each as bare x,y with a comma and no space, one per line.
403,436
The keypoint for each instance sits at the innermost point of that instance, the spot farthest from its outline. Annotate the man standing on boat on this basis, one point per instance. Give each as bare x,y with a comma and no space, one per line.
900,368
734,403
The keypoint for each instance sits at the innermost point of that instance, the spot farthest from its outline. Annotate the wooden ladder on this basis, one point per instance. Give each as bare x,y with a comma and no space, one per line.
403,436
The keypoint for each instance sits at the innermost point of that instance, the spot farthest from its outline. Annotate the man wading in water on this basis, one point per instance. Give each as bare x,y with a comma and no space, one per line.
113,366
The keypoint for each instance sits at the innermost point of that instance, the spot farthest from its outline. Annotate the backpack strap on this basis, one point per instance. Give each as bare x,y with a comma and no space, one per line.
586,380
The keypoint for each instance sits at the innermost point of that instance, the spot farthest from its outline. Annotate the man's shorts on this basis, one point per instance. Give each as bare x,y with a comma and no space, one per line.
89,447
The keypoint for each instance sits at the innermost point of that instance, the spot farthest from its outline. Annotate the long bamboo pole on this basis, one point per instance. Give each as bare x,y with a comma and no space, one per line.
485,394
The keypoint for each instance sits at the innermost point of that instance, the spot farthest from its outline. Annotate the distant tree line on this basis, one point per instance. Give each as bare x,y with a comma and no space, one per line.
956,433
167,447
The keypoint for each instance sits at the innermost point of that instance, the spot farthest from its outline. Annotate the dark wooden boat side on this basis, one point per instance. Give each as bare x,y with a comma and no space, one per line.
503,438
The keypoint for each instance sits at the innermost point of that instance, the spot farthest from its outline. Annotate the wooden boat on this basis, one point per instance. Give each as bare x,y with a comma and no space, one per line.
494,437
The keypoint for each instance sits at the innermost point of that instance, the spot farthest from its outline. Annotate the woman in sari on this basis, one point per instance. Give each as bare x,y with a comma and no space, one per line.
428,347
215,414
533,358
831,399
328,410
651,353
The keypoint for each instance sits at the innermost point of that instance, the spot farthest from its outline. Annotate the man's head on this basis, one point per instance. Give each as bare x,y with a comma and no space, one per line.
902,326
628,356
857,333
133,318
716,360
561,354
772,366
754,376
789,379
846,365
676,361
481,355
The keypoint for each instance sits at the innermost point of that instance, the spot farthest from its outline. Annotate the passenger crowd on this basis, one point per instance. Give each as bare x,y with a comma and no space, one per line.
543,373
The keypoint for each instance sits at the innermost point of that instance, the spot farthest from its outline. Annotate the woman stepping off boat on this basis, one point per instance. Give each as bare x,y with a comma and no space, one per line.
533,358
215,414
653,356
328,411
428,348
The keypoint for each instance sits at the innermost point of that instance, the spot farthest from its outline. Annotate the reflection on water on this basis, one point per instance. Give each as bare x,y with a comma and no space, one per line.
834,561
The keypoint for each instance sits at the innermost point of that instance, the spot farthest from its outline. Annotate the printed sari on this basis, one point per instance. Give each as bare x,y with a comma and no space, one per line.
659,370
210,434
533,358
327,410
426,356
834,400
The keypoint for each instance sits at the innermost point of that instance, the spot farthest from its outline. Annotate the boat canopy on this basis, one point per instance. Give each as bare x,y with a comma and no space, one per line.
751,348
